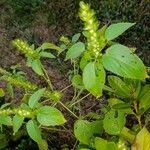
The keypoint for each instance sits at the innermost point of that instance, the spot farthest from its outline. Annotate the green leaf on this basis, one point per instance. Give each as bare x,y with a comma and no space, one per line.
33,131
17,123
47,55
121,61
35,97
77,81
119,86
2,93
10,90
89,75
75,51
97,88
121,105
117,29
142,141
114,122
37,67
5,120
94,78
101,144
76,37
49,116
50,46
144,97
84,130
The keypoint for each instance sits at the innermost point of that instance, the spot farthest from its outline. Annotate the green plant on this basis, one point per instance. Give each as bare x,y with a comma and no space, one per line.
100,53
130,98
91,61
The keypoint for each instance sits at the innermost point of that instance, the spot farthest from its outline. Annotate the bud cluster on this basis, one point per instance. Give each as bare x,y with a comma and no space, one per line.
17,111
91,26
24,48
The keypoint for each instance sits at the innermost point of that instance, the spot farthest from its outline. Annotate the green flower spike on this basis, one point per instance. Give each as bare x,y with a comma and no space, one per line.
91,25
17,111
24,48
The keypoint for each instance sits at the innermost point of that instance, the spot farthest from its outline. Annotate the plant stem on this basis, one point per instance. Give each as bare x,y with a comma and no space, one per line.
76,97
80,99
136,114
46,77
66,88
54,129
68,109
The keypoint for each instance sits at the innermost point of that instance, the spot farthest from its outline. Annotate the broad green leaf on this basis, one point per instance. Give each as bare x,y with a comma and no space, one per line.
76,37
119,86
17,123
97,88
75,51
101,144
84,130
89,75
50,116
77,81
5,120
33,131
117,29
35,97
142,141
94,78
47,55
121,61
50,46
114,122
2,93
37,67
144,97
